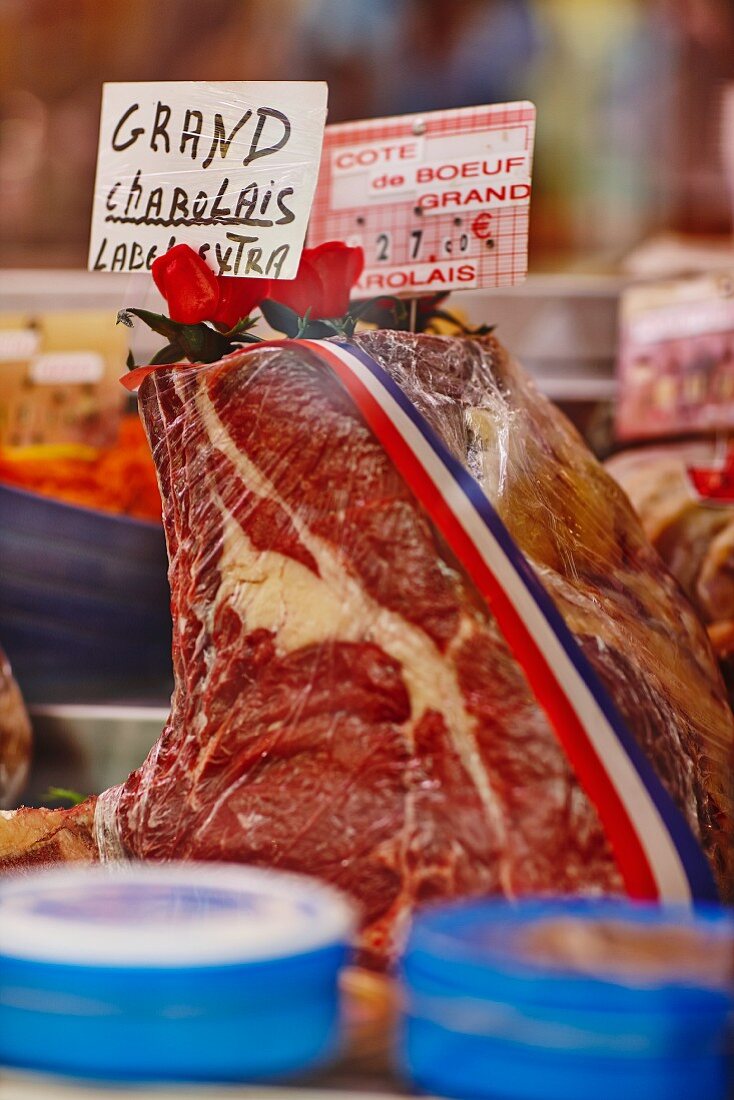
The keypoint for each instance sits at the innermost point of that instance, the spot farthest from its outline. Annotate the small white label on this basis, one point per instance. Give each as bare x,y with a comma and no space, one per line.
66,368
373,154
18,345
675,323
416,190
228,168
419,280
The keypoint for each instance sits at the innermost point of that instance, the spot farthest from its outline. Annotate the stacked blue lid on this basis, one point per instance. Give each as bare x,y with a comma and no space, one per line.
169,972
569,1000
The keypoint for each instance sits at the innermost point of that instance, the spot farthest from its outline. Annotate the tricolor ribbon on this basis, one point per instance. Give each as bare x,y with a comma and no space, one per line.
658,856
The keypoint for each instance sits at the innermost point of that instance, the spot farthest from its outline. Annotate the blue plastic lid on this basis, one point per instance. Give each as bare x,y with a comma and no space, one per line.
516,950
170,971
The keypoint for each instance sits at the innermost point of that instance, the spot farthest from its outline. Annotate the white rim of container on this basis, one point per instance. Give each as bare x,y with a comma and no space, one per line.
298,915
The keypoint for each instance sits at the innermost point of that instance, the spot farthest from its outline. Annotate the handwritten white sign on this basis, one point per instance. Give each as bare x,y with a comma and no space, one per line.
229,168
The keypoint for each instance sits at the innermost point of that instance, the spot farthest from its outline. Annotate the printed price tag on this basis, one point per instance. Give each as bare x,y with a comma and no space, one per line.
438,201
676,358
228,168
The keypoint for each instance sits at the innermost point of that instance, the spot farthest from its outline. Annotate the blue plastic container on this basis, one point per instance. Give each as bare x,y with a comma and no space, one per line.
486,1016
178,972
84,601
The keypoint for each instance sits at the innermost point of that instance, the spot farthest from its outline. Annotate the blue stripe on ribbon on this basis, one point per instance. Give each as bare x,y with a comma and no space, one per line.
689,850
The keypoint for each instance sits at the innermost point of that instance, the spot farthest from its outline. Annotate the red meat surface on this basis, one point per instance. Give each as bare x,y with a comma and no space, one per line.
344,704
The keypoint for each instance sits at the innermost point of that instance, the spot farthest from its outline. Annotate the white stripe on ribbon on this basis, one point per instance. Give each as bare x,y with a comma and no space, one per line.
664,859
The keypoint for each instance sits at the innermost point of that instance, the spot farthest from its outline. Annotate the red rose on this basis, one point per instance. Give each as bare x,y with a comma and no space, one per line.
324,281
238,298
194,293
187,283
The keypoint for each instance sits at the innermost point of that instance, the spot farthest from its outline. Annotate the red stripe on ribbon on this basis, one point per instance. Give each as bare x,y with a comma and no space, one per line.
630,855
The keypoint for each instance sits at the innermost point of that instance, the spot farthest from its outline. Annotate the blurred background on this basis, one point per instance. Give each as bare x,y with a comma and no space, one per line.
633,184
631,96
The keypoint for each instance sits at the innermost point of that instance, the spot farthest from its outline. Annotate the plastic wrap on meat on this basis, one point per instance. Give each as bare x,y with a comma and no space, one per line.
15,736
694,539
345,704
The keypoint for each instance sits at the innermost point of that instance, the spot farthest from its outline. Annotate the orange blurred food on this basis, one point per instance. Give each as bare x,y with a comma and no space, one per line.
118,479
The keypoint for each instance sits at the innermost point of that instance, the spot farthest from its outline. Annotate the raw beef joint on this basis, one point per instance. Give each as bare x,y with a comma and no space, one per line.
345,704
